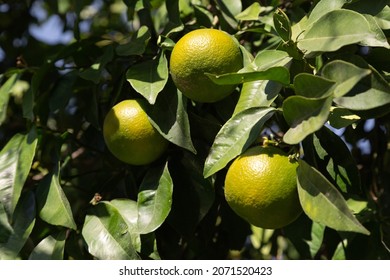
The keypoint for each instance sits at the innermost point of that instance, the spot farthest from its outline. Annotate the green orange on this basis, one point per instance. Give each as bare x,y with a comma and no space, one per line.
130,136
261,187
204,51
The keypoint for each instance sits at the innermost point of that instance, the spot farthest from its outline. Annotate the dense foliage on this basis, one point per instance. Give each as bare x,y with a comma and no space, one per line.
315,82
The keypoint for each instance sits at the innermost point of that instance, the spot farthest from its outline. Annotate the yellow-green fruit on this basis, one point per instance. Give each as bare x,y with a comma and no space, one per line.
261,187
204,51
130,136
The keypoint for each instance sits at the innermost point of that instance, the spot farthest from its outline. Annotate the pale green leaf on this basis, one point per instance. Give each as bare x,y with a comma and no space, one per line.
15,163
329,33
305,116
312,86
345,74
250,13
154,199
50,248
107,235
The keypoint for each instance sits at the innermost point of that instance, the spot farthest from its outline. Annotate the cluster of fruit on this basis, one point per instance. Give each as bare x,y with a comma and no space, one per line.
260,184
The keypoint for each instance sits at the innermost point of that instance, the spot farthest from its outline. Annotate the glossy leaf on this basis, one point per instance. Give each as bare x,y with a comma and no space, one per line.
169,116
50,248
329,33
15,163
5,91
106,233
5,227
277,74
128,209
312,86
269,58
322,202
337,160
137,43
345,74
154,199
149,77
53,206
305,116
22,225
282,25
235,136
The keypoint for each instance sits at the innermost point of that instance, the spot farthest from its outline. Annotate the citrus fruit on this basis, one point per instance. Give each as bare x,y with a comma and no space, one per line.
204,51
260,186
130,136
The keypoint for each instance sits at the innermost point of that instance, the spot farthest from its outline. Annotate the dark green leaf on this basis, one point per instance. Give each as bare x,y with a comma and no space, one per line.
174,24
329,33
282,25
15,163
345,74
322,202
50,248
341,117
169,117
5,91
107,235
229,9
277,74
203,16
5,227
304,116
154,199
149,77
137,43
312,86
236,135
53,206
337,160
23,222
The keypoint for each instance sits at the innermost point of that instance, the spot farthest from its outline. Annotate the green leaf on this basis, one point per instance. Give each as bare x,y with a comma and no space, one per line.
305,116
383,18
154,199
5,91
15,163
169,116
370,93
5,228
203,16
345,74
23,222
261,92
53,206
94,72
50,248
322,202
174,24
128,209
339,253
107,235
325,6
317,236
229,9
380,39
250,13
278,74
137,43
329,33
341,117
187,173
149,77
312,86
282,25
236,135
337,160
